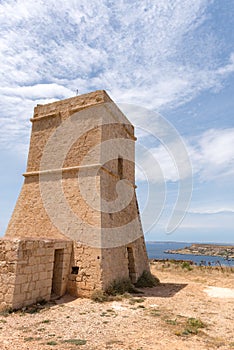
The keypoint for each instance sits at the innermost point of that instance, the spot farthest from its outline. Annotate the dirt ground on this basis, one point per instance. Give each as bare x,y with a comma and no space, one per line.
190,309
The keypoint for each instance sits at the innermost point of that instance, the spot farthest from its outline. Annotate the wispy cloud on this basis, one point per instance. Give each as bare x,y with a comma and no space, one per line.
214,221
149,54
212,154
37,92
205,211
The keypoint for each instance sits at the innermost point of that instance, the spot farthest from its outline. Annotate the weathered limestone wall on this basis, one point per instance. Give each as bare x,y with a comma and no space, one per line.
28,271
89,275
124,253
30,212
125,210
30,217
8,267
47,118
124,267
114,265
141,262
97,268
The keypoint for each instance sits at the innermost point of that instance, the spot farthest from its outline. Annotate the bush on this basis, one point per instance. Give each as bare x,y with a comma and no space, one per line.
75,341
147,280
52,342
186,265
99,296
116,291
192,327
120,287
195,323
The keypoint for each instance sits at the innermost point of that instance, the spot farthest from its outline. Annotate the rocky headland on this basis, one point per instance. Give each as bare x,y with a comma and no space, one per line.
206,249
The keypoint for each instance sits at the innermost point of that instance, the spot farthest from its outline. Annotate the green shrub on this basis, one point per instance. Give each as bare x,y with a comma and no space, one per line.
155,313
172,322
45,321
29,339
147,280
6,312
186,265
75,341
52,342
99,296
121,287
191,327
195,323
133,301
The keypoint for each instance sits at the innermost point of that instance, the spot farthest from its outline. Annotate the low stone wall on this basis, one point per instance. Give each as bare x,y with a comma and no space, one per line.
8,265
31,270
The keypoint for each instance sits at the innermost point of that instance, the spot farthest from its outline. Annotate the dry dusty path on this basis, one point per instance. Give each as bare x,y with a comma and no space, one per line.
181,313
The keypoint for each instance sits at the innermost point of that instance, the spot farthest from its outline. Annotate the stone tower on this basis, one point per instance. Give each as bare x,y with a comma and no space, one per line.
78,199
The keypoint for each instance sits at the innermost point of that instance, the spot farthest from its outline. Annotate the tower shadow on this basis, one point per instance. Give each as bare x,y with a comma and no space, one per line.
163,290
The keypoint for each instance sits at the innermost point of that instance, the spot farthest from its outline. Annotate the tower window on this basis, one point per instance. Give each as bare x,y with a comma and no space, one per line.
120,167
75,270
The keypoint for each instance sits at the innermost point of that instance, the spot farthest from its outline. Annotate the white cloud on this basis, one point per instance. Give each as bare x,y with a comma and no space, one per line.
215,210
37,92
157,165
222,220
147,54
212,153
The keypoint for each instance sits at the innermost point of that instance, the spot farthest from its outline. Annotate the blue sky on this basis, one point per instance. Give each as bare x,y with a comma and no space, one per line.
175,58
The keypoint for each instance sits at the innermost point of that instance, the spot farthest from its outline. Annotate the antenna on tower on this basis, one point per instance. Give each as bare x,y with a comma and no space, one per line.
77,92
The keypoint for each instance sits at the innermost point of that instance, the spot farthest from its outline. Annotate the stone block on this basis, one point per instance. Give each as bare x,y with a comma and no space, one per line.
8,298
21,279
35,294
43,275
35,276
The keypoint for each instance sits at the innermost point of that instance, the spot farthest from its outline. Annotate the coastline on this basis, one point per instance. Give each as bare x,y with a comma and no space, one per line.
224,251
174,251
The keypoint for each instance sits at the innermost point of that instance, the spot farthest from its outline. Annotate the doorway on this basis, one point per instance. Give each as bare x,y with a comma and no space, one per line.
131,265
56,290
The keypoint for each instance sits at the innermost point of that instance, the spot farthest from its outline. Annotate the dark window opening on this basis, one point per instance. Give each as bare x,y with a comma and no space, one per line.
120,167
75,270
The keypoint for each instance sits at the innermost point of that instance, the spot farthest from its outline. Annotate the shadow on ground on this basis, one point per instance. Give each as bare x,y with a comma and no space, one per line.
164,290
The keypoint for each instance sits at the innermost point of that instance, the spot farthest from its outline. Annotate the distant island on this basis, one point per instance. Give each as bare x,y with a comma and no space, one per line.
206,249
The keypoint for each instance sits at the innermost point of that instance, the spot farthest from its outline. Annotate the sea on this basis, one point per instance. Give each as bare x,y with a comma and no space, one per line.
157,250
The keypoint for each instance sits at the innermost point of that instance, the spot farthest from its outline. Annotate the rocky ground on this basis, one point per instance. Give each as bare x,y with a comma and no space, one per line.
190,309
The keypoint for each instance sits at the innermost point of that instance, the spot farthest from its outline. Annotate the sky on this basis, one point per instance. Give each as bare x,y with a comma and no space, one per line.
166,63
